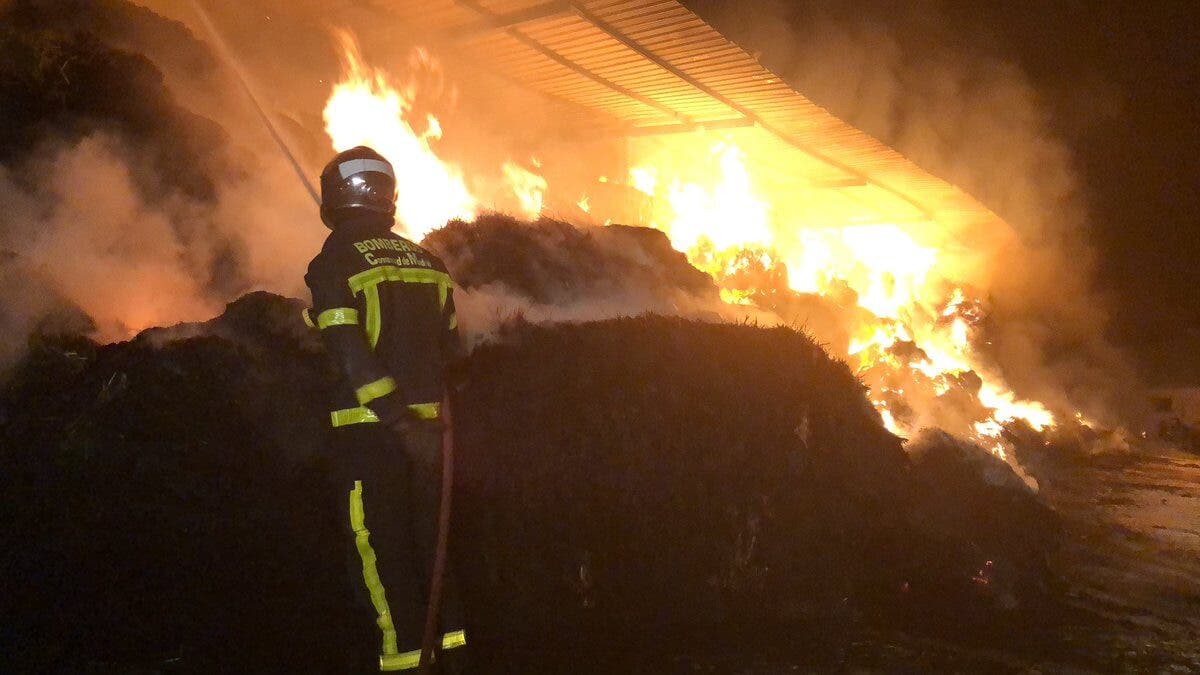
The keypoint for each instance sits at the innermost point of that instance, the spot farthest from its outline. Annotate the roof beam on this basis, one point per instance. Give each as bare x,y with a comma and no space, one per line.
493,21
542,49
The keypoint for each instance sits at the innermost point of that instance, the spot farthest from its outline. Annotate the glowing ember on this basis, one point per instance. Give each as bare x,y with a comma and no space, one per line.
365,109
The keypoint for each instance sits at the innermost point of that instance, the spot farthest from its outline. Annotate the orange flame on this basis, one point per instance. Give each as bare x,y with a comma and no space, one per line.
911,325
712,209
365,109
721,208
528,187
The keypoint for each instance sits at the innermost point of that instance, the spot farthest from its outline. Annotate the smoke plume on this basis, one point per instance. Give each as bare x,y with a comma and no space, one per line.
120,203
549,270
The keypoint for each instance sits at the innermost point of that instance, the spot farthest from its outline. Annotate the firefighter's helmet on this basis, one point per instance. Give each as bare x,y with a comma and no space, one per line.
354,181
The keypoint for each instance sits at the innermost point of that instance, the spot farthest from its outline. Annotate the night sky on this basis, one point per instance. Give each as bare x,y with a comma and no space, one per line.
1119,82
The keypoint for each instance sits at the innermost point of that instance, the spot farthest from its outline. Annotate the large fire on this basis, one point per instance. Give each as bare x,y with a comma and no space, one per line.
913,344
528,187
365,109
911,330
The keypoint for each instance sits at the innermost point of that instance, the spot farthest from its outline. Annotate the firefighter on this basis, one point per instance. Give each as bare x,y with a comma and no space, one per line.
385,309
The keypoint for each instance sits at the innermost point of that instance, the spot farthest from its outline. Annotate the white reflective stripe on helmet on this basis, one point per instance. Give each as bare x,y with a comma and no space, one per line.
353,166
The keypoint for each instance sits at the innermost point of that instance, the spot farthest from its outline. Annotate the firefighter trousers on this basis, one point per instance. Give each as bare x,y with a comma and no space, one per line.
390,484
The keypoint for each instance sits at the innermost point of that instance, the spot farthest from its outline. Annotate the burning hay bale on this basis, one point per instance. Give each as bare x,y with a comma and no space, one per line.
616,479
551,261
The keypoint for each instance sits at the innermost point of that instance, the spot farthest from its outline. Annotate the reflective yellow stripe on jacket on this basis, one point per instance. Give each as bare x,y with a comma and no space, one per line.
363,415
367,283
454,639
338,316
404,661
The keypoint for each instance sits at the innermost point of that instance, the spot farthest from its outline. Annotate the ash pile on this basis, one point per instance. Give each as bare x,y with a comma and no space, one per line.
631,493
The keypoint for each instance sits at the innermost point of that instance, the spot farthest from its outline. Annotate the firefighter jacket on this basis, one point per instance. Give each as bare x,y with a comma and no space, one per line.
385,309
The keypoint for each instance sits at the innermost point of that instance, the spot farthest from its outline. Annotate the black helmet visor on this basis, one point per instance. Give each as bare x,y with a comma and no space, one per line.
362,183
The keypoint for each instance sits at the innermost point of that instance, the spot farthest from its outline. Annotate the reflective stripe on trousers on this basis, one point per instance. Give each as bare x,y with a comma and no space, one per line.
390,658
410,660
362,541
405,661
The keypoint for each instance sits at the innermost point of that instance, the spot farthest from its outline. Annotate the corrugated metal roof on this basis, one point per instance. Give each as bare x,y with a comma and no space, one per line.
641,67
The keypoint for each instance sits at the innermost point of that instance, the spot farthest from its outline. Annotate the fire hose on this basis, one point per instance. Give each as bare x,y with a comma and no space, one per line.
234,66
437,575
429,641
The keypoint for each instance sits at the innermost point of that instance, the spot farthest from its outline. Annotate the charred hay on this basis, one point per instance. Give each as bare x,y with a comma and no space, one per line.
633,487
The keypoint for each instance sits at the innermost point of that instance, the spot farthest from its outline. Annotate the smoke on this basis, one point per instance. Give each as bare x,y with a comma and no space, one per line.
551,271
119,202
915,79
146,193
129,263
99,245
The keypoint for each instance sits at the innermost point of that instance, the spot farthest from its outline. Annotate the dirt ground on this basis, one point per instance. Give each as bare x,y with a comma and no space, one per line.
1131,558
1130,562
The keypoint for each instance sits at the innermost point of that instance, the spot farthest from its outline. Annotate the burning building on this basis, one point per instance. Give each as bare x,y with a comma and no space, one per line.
641,113
789,209
635,487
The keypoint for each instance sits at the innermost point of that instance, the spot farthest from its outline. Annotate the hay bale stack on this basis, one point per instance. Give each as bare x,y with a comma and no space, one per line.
635,487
